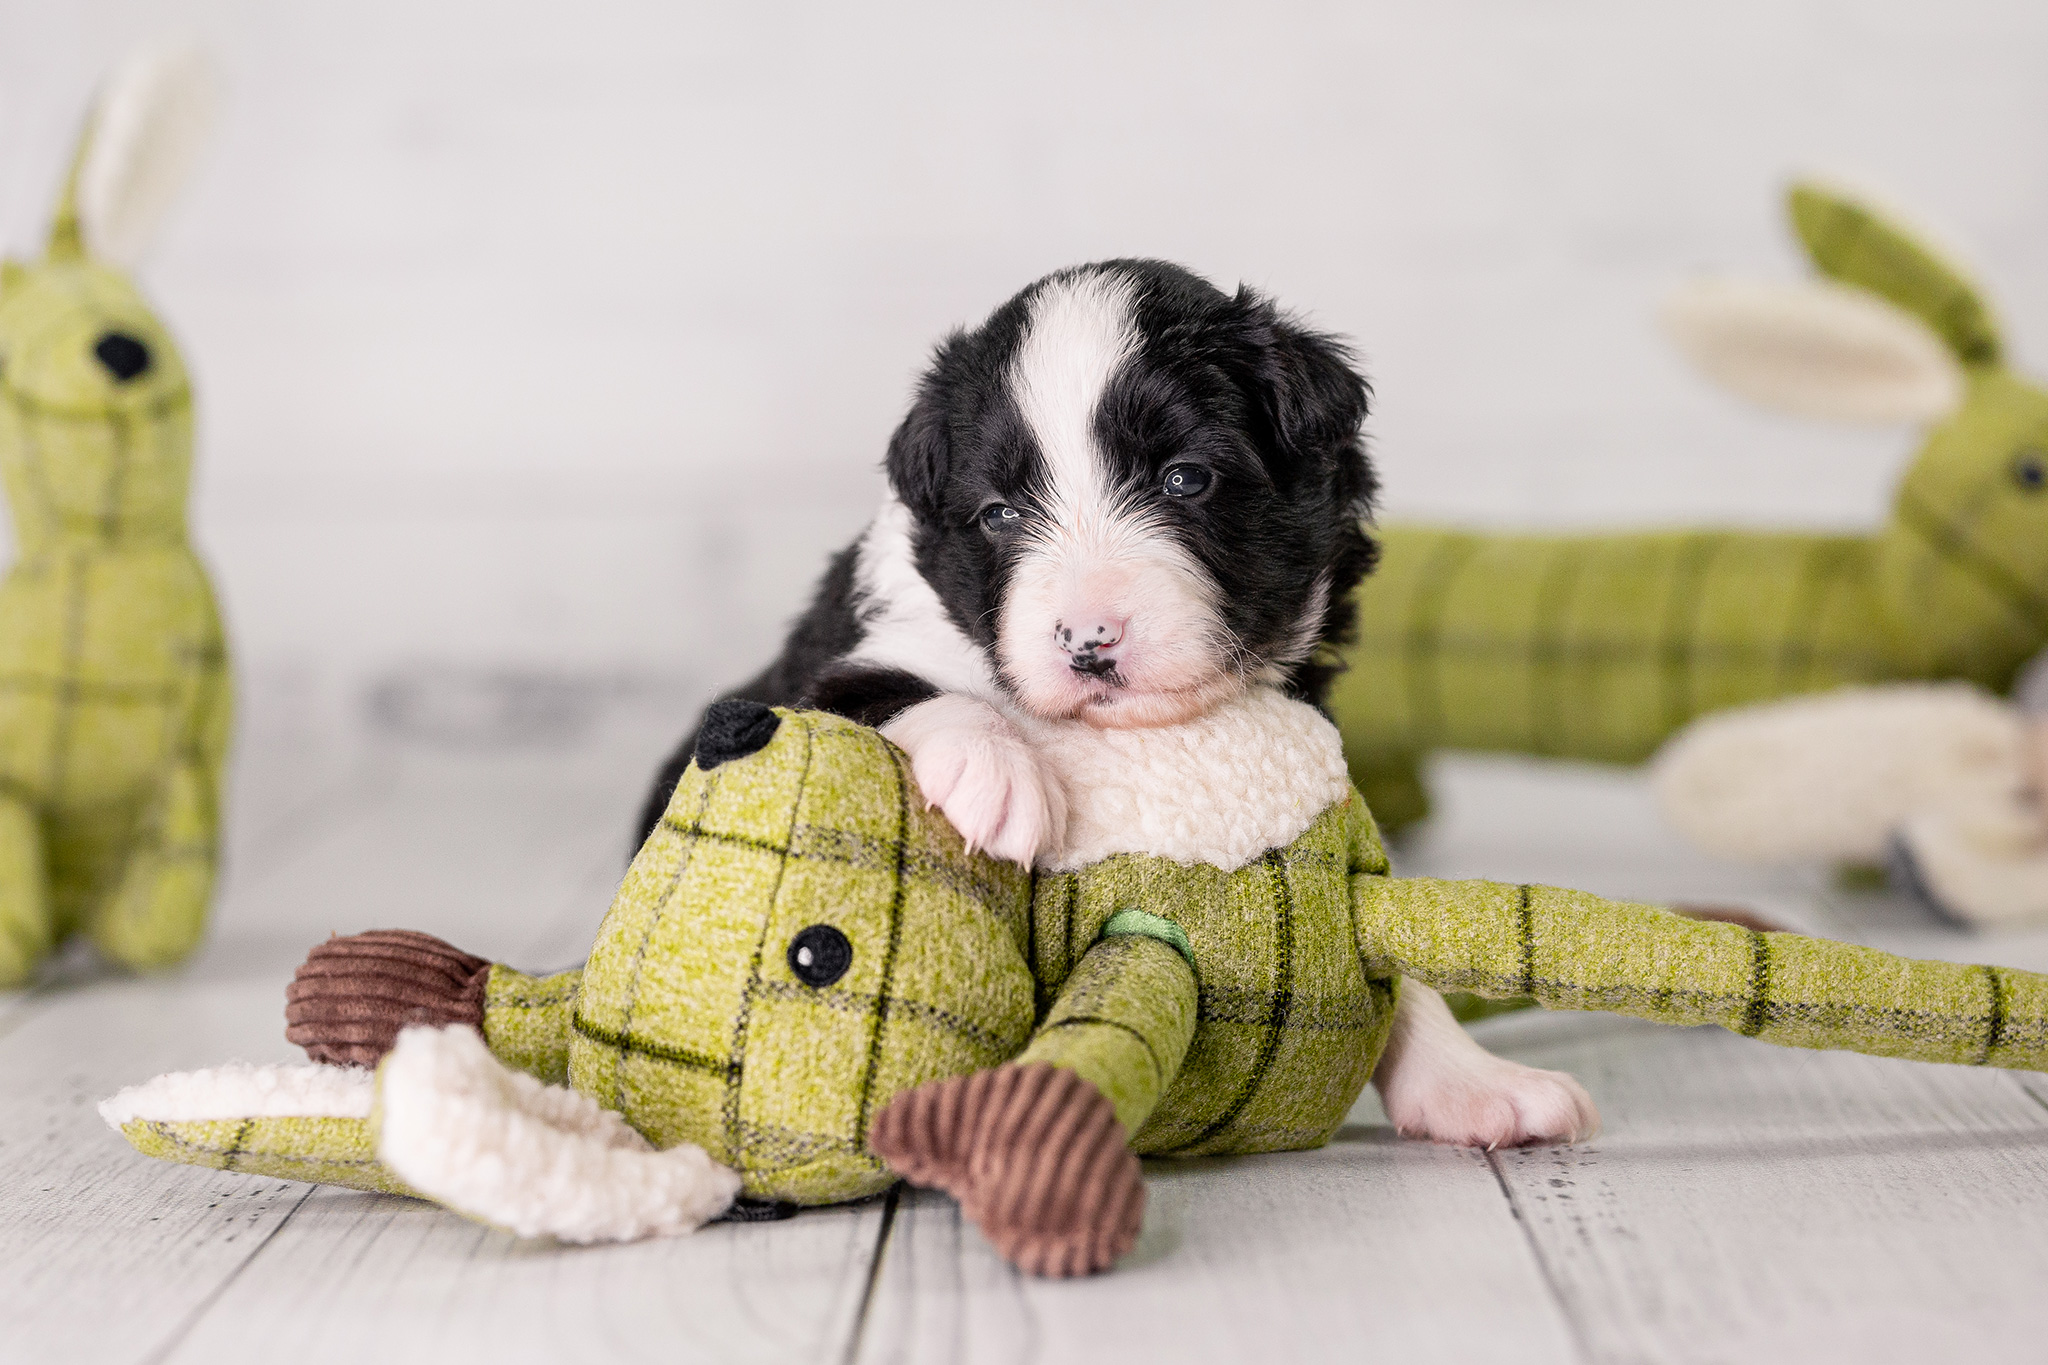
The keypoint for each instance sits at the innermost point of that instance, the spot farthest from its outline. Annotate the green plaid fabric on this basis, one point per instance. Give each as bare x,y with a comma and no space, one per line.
114,698
1123,1022
1592,647
323,1151
690,1019
1963,562
526,1020
1570,950
1288,1024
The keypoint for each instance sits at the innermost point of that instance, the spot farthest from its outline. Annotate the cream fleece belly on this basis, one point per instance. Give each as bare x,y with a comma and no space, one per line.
1222,789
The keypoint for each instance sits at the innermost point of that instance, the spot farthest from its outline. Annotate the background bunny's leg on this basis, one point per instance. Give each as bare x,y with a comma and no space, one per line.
1437,1082
156,911
1390,780
27,927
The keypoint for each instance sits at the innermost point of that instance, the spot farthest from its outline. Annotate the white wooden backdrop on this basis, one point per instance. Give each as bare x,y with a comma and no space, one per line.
529,331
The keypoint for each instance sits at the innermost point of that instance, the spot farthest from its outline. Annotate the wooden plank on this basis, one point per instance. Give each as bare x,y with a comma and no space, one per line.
359,1277
1755,1203
1371,1244
108,1253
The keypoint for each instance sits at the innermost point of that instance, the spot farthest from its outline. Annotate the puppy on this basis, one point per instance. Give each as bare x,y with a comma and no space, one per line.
1124,498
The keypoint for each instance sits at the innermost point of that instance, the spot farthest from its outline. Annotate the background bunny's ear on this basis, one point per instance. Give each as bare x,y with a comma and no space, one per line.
1818,349
143,141
1850,241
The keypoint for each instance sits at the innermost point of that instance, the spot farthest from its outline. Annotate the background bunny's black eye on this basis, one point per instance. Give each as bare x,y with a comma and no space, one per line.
2030,470
819,955
1186,481
1000,516
124,356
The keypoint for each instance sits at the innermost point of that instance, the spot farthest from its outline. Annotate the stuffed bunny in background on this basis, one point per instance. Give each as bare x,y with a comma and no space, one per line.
114,699
1602,646
1942,780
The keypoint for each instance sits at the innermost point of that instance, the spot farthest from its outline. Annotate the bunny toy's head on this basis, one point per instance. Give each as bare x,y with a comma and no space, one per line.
1894,333
95,413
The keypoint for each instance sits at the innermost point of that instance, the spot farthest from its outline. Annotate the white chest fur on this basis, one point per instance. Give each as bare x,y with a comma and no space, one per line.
1248,776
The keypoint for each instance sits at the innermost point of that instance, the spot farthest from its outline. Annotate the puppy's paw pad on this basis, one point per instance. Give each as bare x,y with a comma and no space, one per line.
1498,1104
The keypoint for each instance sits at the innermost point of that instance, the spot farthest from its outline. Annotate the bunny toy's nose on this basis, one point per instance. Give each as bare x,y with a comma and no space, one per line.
122,355
732,729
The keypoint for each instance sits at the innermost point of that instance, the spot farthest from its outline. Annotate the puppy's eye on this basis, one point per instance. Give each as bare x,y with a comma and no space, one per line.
2030,470
1185,481
999,517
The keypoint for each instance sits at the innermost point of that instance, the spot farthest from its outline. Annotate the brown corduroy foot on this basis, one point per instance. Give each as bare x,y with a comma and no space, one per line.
352,995
1035,1156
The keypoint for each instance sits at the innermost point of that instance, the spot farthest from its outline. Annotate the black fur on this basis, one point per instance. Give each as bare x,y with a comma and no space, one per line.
1271,409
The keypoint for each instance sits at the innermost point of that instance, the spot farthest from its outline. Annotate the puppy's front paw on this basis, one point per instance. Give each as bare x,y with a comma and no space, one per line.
1488,1101
976,768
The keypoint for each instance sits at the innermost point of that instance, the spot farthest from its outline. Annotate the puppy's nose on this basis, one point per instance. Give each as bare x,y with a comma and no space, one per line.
1090,638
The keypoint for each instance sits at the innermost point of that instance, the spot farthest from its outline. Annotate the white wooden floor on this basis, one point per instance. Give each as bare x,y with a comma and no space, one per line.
1745,1203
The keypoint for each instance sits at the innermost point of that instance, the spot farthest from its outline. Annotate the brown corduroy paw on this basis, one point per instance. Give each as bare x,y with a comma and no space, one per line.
352,995
1035,1156
924,1135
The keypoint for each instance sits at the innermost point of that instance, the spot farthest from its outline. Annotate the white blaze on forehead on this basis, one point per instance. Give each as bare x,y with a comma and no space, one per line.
1100,554
1081,333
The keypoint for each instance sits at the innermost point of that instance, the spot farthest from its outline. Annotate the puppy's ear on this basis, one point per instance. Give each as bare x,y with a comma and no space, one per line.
1312,398
920,456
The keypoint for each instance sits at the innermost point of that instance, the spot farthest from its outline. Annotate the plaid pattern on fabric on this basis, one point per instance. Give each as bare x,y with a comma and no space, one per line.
114,698
1287,1023
690,1019
1123,1022
1594,647
1571,950
526,1020
323,1151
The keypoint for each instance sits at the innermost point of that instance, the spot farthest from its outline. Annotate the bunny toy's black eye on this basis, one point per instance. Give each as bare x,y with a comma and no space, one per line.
819,955
2030,470
124,356
999,517
1185,481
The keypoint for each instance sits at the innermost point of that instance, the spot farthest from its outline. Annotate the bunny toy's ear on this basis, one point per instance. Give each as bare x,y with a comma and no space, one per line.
1818,349
139,147
1850,241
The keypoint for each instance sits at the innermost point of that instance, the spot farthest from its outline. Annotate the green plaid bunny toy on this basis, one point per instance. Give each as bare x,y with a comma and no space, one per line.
1602,646
114,705
806,987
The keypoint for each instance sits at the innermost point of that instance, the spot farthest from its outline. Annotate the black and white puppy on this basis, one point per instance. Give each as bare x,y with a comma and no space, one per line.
1125,498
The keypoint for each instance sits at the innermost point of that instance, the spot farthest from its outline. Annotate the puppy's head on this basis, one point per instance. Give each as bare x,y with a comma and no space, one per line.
1139,494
